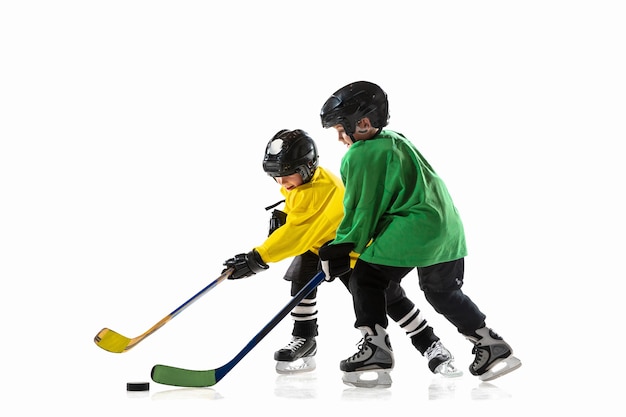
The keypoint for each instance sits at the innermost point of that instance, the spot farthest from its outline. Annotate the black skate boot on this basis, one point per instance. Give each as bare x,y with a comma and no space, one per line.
297,356
441,361
494,357
375,356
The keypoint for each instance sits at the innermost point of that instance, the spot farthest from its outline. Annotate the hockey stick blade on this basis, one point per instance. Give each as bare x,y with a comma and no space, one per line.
112,341
169,375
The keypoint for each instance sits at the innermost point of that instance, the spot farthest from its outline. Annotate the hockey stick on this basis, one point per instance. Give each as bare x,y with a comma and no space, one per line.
169,375
114,342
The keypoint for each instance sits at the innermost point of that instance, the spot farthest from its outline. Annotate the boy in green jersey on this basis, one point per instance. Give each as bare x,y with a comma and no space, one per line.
313,208
398,216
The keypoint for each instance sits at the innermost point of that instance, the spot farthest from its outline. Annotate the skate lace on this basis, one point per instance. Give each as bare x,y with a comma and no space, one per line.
362,345
295,344
479,354
436,349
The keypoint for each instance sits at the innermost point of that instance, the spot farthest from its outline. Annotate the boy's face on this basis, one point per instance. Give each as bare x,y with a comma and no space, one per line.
343,136
290,181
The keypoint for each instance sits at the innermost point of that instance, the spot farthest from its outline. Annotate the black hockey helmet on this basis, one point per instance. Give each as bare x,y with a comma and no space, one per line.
290,152
353,102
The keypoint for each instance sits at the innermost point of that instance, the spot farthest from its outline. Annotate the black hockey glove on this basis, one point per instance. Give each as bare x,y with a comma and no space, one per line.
245,264
278,219
335,259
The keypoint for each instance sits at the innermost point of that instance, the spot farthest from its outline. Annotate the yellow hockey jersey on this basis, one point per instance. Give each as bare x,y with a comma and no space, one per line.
314,211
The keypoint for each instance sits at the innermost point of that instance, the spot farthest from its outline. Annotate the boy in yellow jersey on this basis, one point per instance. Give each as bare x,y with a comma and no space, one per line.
312,212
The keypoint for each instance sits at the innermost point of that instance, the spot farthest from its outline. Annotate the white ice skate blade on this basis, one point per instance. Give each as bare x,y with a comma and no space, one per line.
377,378
501,367
306,364
448,370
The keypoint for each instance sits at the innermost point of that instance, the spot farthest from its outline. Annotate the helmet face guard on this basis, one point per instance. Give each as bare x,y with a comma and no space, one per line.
348,105
291,152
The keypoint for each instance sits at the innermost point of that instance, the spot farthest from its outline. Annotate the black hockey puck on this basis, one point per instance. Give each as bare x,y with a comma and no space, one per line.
137,386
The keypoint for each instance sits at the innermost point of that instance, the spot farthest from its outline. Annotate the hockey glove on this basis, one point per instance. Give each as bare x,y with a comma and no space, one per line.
335,259
278,219
245,265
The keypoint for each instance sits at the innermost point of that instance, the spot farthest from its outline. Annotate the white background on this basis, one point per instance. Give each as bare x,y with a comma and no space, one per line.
132,134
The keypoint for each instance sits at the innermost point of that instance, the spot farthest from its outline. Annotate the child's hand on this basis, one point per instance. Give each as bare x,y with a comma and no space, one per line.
245,265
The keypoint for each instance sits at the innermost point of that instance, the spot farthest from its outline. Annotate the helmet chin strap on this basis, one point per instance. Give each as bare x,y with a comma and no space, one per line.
350,132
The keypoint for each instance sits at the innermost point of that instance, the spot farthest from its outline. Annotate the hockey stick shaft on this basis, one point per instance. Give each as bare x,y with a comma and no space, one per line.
169,375
113,341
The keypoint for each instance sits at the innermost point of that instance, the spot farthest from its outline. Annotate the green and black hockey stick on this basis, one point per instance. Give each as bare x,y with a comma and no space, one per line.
169,375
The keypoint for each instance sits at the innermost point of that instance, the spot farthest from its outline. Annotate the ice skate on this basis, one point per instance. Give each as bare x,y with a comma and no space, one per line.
297,356
494,357
441,361
370,366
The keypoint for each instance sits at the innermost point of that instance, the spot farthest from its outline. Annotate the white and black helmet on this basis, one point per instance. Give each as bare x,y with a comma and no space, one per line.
290,152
